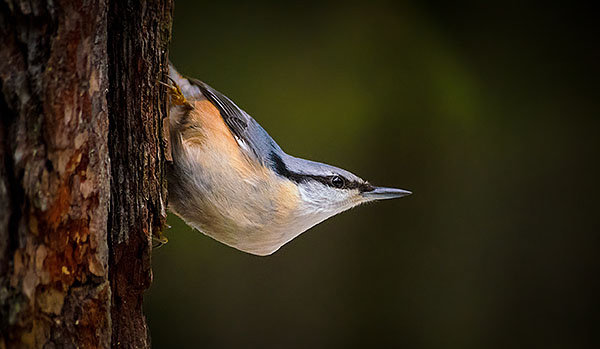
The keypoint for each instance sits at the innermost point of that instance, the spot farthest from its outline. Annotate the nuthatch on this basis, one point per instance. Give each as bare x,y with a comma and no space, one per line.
231,181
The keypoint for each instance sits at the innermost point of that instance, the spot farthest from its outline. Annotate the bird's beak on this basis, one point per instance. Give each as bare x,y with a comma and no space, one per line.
382,193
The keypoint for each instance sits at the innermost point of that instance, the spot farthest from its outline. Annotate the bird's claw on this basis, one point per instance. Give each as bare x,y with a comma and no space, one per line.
159,240
174,91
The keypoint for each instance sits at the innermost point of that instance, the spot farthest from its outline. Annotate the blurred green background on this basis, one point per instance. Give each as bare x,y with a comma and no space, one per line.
488,112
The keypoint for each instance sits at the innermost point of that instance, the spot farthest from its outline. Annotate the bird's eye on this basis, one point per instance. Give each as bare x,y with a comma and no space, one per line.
337,182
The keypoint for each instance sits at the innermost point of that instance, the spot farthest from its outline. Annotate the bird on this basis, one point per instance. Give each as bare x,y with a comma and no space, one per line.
231,181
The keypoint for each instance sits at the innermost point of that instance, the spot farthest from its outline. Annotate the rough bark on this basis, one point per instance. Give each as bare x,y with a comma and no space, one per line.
82,185
139,34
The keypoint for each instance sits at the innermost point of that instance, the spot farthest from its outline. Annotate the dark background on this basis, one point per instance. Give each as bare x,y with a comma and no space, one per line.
488,112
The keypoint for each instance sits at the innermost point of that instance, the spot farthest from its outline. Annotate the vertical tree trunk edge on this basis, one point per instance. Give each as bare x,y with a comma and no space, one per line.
82,169
138,35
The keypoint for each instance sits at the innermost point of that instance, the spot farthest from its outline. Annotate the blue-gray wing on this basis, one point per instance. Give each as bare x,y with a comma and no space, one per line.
249,134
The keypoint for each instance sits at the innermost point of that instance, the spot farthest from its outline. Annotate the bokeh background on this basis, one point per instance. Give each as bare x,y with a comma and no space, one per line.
488,111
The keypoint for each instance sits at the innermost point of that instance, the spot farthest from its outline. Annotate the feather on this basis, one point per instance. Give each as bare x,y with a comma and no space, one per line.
251,137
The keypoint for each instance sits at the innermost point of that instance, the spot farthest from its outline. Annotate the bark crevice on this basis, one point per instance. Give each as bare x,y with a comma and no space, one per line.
78,92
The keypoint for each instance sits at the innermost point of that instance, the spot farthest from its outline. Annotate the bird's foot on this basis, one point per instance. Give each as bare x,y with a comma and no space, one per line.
177,97
159,239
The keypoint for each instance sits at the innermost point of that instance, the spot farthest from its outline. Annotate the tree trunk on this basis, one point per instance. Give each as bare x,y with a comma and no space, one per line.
137,49
82,182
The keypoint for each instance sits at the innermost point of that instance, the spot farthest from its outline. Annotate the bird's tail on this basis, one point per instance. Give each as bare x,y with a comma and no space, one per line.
181,93
190,90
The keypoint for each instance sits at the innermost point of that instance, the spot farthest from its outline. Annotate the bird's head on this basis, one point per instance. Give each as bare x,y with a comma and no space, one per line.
326,190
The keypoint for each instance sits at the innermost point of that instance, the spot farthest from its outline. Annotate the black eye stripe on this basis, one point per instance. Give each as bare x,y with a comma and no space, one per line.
283,171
